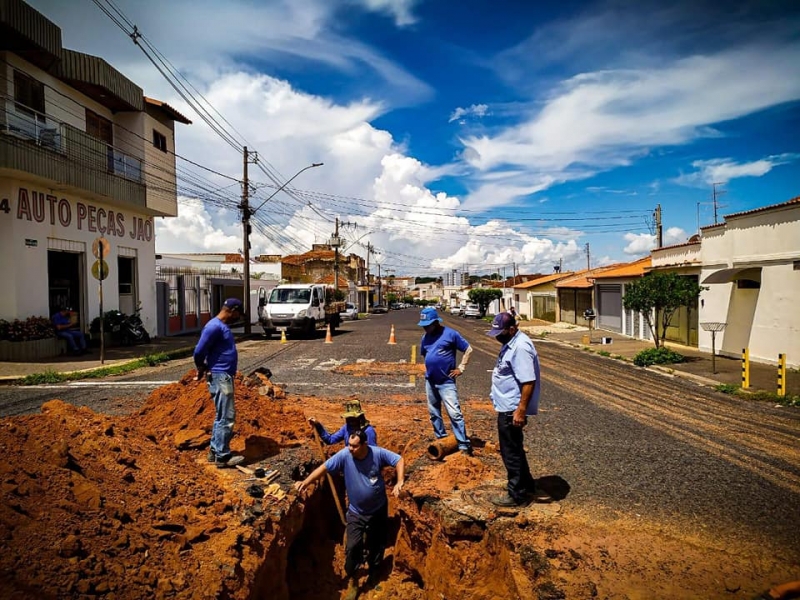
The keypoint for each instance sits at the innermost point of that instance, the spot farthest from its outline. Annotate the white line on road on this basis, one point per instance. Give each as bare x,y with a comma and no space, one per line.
105,384
348,384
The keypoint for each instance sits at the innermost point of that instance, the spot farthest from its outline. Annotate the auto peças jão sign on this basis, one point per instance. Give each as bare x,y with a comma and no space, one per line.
45,208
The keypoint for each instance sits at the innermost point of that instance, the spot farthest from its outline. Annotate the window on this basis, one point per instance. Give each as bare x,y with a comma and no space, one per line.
748,284
99,127
159,141
28,94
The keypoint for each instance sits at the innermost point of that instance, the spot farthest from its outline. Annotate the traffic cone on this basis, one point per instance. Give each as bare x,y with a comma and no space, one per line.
328,338
283,336
391,337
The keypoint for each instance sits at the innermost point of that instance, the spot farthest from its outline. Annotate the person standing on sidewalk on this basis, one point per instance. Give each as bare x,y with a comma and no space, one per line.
438,347
216,359
368,513
516,385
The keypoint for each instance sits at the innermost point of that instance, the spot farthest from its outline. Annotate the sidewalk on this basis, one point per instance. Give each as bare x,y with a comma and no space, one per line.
10,372
698,365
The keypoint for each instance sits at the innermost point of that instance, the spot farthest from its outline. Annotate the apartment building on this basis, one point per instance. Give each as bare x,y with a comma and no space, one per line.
84,156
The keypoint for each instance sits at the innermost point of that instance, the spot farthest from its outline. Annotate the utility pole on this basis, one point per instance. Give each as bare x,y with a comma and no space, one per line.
246,239
369,251
336,242
659,228
714,195
588,257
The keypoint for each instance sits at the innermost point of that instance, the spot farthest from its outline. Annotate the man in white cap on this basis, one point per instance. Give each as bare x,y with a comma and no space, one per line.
515,395
438,347
216,359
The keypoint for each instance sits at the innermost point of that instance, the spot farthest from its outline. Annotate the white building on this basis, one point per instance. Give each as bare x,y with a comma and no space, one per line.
84,156
751,266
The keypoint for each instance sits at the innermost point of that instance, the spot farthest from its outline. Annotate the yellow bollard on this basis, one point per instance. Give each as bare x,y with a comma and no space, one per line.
781,374
283,336
745,368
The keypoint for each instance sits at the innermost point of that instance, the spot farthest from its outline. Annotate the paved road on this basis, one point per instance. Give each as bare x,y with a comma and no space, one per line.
627,440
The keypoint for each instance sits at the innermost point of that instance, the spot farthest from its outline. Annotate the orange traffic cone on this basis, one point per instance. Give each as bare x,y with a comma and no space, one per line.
391,337
328,338
283,336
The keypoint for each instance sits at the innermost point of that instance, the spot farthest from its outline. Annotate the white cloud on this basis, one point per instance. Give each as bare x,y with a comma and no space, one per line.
401,10
604,119
722,170
642,243
475,110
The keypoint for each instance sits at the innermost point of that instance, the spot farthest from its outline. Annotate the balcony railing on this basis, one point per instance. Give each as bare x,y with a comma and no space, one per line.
36,144
76,145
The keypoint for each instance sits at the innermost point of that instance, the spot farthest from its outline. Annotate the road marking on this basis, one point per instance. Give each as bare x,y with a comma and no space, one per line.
75,384
346,384
330,364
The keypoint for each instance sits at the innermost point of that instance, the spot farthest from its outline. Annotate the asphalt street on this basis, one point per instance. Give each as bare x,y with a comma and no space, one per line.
628,441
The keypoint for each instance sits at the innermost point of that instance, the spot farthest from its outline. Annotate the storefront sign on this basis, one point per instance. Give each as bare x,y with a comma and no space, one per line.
31,243
41,208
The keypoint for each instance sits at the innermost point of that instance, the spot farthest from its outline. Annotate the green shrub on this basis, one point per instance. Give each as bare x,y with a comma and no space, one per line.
657,356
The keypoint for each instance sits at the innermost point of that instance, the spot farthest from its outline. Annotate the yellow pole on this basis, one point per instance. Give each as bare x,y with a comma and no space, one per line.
781,374
413,378
745,368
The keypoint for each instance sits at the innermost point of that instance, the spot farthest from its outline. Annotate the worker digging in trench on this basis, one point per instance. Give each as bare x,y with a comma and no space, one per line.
368,510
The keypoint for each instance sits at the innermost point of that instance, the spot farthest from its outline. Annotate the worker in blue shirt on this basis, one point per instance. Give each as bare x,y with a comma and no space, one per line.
354,420
368,510
438,347
216,359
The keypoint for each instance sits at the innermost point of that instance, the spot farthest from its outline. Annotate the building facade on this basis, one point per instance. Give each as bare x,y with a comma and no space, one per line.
86,164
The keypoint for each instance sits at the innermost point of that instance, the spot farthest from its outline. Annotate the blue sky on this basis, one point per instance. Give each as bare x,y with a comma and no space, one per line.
473,134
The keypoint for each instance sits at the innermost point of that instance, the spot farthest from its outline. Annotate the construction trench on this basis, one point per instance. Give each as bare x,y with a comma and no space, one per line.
128,507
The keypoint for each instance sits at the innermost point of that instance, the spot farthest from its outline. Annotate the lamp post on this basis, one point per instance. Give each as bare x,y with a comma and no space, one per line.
247,212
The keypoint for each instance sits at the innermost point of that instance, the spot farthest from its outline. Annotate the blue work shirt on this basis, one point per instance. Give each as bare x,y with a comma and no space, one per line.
517,363
439,351
366,490
216,350
59,319
344,434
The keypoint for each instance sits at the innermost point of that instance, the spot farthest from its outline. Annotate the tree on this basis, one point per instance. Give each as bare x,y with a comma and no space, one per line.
657,296
483,297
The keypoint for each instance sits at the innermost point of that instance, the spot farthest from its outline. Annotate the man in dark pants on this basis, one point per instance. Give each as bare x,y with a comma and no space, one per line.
515,395
368,510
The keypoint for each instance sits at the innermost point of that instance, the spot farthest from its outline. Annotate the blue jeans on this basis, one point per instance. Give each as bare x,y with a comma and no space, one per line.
220,385
446,393
75,339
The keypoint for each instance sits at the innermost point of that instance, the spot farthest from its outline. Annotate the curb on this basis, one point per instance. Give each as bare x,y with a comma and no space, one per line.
662,370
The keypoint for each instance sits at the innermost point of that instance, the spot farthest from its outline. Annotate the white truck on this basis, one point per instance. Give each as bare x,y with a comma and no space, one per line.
298,308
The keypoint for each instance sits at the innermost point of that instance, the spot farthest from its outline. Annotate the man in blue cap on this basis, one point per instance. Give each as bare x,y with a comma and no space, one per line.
216,359
438,347
515,395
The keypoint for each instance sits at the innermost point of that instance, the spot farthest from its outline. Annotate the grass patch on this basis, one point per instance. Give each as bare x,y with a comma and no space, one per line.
604,353
735,390
657,356
619,357
148,360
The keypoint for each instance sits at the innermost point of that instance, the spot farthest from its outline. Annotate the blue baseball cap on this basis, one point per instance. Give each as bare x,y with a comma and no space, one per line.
501,322
428,316
233,304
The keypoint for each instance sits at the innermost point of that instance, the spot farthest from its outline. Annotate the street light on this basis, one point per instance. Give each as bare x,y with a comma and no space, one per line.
246,214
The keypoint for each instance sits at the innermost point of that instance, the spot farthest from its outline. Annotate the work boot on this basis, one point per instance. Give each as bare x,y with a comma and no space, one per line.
373,582
352,589
506,501
467,451
229,461
212,456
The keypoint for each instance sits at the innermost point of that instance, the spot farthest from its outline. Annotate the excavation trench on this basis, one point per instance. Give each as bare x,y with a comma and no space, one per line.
129,507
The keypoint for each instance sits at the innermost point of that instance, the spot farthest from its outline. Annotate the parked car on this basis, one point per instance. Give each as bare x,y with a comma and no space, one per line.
472,310
455,309
350,312
379,309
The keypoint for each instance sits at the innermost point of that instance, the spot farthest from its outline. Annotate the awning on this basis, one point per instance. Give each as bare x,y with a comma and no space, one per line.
729,275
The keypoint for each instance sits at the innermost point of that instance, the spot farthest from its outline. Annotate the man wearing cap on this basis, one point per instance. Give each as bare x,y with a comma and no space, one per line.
438,347
216,359
65,329
354,420
515,395
367,513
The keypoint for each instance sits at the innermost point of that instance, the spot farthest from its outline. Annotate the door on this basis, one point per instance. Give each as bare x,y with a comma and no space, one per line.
609,307
64,283
126,269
